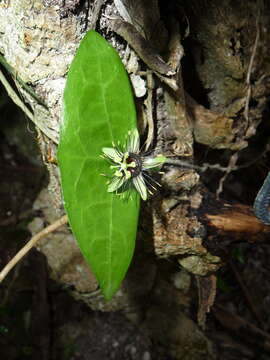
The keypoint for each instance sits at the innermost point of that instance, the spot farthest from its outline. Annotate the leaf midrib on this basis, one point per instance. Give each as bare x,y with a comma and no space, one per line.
109,250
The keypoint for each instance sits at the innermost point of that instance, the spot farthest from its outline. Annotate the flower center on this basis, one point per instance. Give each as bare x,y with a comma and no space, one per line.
134,159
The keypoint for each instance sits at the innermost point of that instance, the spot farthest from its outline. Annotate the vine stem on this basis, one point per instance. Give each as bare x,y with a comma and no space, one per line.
16,99
12,94
63,220
185,164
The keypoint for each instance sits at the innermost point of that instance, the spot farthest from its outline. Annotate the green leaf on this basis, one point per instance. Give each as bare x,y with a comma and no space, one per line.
98,110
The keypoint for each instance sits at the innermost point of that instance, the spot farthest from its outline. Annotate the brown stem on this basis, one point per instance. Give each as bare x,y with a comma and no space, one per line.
63,220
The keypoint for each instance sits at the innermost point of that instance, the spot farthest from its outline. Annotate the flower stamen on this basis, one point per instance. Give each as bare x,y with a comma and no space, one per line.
131,167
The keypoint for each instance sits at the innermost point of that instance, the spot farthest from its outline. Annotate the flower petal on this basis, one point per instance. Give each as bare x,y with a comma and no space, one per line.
152,162
113,154
133,141
116,183
140,186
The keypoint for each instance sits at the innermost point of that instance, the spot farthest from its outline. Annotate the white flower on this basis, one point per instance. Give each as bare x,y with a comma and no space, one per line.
130,167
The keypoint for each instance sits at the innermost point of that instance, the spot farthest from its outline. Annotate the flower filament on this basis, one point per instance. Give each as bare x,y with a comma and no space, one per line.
130,167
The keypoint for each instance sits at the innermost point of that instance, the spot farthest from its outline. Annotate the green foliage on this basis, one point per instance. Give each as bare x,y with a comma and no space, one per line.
98,110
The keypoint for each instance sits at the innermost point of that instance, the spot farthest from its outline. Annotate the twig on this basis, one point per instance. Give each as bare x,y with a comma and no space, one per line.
207,166
254,50
16,99
168,81
95,13
63,220
171,82
21,82
202,168
149,110
254,160
142,47
231,165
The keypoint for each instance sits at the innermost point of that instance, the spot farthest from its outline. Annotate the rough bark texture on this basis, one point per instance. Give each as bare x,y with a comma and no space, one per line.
185,222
